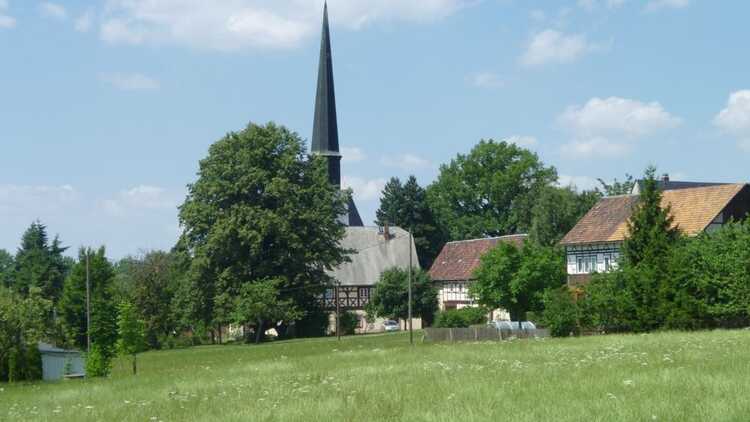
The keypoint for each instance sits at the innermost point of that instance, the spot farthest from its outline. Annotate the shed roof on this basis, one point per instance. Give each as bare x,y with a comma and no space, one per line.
458,260
693,209
373,255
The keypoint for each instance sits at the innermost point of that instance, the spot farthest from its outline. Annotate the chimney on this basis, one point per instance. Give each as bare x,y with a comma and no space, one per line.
386,231
665,177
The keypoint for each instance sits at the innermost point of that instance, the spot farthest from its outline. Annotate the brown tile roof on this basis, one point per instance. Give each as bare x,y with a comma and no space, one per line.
458,260
693,210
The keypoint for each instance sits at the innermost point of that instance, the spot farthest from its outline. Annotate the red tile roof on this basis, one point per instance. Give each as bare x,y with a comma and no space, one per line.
458,260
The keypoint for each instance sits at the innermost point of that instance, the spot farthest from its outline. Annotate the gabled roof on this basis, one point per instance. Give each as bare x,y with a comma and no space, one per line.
373,254
674,185
458,260
693,209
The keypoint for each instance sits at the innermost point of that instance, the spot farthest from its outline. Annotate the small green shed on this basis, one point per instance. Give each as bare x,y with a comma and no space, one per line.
60,363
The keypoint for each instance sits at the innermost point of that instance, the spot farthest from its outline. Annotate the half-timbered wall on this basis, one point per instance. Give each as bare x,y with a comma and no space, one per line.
350,297
589,259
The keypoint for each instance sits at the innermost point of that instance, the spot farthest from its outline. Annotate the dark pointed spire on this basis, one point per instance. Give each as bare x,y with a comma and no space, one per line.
325,139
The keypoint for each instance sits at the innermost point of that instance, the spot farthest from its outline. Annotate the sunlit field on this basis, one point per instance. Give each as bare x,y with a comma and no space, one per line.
669,377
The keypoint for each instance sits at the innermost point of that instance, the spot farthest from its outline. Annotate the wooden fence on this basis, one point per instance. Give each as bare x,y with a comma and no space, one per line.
478,334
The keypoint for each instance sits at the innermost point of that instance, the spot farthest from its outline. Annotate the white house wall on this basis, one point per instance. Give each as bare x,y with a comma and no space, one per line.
588,259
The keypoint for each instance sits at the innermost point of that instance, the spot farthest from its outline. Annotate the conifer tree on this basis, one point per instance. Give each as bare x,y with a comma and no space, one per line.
103,310
405,205
647,252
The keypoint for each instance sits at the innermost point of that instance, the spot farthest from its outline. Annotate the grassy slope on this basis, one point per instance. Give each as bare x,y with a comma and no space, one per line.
670,376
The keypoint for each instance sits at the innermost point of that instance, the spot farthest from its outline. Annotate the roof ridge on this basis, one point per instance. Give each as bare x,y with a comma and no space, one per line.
507,236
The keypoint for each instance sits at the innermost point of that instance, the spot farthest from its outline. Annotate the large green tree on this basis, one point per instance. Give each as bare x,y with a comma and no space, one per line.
40,264
23,323
261,301
405,205
103,328
556,210
261,208
489,192
391,296
515,279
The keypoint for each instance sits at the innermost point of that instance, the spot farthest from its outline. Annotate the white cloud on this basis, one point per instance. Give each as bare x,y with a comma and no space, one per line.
593,147
139,199
591,5
654,5
552,46
619,117
580,182
364,189
53,11
31,200
486,80
609,126
84,22
7,22
407,162
734,119
352,154
523,141
130,81
241,24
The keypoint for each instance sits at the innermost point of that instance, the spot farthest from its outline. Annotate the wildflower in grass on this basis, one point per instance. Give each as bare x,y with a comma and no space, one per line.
611,396
629,383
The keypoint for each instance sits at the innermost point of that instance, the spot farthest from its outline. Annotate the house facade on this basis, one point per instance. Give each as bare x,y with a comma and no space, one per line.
453,270
593,245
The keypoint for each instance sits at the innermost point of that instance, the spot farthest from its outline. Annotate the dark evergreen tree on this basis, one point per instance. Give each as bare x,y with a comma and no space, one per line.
406,206
103,309
39,264
647,252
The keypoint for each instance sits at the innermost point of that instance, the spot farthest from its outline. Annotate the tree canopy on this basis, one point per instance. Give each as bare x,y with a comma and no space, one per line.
40,264
515,279
390,298
490,191
261,208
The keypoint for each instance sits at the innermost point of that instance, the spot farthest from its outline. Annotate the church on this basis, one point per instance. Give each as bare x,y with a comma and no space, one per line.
375,249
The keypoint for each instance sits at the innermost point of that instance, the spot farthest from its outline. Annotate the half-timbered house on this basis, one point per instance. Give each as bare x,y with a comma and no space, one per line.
453,270
593,245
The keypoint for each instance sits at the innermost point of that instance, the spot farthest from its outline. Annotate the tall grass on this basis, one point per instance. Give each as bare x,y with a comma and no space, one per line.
668,376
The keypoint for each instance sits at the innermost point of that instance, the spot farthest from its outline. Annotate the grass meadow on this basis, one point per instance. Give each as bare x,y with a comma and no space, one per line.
701,376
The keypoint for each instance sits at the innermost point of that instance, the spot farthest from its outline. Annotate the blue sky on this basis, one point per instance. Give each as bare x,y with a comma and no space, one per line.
107,106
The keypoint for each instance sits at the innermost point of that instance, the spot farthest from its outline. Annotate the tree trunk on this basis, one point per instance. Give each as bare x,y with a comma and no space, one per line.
135,370
259,331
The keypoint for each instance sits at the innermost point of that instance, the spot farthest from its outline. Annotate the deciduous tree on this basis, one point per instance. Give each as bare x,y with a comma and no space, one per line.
261,208
390,298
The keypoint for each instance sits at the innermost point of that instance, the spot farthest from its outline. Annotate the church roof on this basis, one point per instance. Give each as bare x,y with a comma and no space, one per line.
693,209
325,138
458,260
373,254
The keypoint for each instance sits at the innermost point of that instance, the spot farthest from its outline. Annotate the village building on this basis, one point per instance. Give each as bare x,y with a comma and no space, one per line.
373,249
453,270
593,245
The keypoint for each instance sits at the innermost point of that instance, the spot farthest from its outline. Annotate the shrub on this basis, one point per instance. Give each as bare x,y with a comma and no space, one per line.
313,324
98,362
560,312
348,322
460,318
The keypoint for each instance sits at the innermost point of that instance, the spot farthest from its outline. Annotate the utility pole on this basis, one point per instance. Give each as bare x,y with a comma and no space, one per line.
88,305
338,310
411,241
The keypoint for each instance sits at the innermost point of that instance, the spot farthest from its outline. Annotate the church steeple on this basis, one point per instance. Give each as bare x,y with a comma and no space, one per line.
325,139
